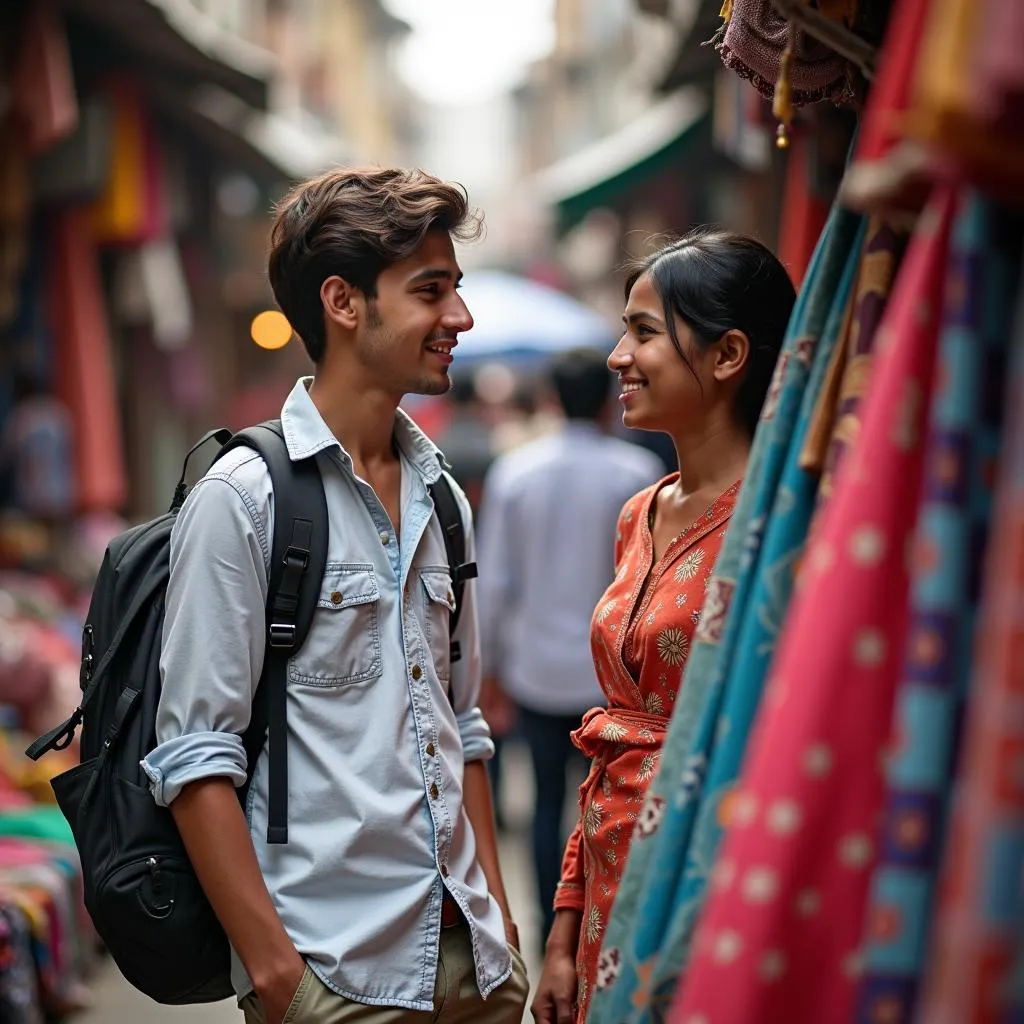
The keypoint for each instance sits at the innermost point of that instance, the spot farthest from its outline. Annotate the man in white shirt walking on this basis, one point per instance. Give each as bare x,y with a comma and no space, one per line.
546,540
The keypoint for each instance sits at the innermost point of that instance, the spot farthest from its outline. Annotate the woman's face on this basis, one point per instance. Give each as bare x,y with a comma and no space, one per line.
659,391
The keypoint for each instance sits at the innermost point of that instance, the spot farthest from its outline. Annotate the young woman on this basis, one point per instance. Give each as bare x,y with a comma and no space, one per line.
704,322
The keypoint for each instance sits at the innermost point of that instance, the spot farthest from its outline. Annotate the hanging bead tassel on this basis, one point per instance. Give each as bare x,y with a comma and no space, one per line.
782,102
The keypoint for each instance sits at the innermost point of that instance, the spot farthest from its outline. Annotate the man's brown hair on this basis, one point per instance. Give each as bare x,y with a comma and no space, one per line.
355,224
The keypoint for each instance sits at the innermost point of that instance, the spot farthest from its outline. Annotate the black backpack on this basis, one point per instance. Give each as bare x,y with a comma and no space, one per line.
140,889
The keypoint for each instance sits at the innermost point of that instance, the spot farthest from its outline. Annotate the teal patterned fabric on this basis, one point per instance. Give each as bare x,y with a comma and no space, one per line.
664,885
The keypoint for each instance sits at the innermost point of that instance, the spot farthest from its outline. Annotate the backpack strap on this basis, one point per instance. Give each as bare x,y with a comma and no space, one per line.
222,436
297,559
454,532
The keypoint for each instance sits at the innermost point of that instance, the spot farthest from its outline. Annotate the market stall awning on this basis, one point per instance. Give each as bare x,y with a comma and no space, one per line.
619,162
270,147
174,36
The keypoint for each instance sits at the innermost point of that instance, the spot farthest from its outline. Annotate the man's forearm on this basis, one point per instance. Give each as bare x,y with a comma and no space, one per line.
210,820
480,811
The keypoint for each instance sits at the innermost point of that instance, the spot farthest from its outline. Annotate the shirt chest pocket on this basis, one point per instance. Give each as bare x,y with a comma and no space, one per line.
343,645
438,603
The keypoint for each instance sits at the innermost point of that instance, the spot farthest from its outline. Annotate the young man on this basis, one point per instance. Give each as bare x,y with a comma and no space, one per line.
386,904
547,542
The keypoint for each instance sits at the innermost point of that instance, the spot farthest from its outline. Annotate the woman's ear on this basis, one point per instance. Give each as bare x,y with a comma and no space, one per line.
732,353
339,302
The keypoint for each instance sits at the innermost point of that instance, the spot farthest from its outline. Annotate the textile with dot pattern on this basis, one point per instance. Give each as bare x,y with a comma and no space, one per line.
780,936
975,963
666,876
951,536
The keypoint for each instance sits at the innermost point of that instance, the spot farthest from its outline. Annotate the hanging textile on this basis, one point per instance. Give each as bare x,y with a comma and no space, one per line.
948,102
952,531
836,422
885,173
890,92
756,37
996,103
666,873
997,72
979,928
781,931
43,96
803,214
942,91
85,379
132,208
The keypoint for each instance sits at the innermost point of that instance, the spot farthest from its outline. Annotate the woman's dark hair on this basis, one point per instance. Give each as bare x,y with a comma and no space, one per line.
718,281
355,224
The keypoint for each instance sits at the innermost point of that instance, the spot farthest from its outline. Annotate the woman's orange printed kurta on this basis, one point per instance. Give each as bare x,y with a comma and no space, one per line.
640,637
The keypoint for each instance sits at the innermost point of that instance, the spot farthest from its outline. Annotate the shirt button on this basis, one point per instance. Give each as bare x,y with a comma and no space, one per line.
430,750
444,870
336,597
417,672
385,538
434,791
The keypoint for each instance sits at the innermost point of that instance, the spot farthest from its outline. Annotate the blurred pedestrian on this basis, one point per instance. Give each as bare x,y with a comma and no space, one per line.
468,445
386,903
527,418
704,321
547,528
37,453
467,438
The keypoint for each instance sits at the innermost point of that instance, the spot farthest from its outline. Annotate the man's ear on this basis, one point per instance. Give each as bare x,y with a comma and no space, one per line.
340,302
732,353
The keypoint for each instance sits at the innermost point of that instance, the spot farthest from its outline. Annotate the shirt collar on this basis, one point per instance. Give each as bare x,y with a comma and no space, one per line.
306,434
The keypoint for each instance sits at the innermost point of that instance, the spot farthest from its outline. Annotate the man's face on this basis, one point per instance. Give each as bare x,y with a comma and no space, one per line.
412,325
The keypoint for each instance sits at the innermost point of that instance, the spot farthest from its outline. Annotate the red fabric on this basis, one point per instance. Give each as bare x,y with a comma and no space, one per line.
83,364
640,637
891,92
780,935
42,82
803,214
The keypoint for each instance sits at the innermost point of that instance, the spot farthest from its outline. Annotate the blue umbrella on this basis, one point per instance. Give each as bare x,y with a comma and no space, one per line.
521,321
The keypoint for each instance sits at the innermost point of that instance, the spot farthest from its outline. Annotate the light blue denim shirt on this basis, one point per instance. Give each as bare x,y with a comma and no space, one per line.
376,824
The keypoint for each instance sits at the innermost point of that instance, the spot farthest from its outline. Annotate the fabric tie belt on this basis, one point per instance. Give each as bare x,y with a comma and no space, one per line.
606,729
610,734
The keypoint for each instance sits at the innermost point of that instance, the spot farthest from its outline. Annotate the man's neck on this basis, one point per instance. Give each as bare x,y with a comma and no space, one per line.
362,419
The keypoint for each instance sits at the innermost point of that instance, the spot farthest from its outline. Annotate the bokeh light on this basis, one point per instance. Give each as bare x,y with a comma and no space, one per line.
271,330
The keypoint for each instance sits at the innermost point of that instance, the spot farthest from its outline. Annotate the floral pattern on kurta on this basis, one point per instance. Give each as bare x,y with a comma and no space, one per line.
640,637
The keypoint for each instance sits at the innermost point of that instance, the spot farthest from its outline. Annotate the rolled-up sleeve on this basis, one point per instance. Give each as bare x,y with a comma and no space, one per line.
571,891
474,731
213,638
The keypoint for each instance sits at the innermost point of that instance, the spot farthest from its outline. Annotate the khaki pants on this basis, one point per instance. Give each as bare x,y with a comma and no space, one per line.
456,996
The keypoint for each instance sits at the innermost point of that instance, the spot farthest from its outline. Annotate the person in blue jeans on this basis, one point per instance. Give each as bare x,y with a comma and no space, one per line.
546,537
